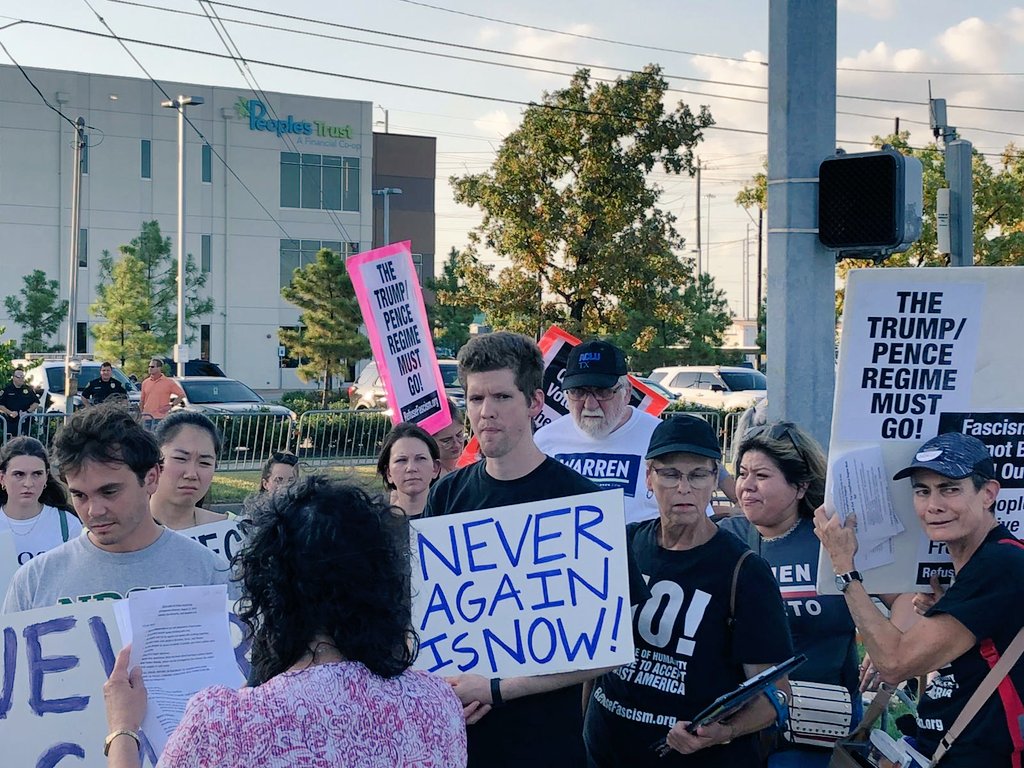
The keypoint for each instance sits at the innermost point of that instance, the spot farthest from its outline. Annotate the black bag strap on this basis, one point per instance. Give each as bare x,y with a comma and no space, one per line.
735,582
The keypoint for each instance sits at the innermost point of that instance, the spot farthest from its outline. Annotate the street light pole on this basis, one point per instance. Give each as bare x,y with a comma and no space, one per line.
181,348
76,209
386,193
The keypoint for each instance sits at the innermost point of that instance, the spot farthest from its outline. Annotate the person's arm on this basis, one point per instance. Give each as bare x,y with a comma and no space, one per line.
931,643
727,483
753,716
476,689
124,694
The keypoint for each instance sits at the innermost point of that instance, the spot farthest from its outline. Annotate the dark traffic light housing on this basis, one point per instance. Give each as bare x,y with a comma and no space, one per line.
869,204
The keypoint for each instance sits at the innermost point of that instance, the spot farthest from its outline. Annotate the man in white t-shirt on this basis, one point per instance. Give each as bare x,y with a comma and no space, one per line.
603,438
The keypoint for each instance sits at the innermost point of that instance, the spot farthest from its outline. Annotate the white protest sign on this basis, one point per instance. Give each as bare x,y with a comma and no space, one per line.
391,301
55,661
222,537
925,351
8,560
528,589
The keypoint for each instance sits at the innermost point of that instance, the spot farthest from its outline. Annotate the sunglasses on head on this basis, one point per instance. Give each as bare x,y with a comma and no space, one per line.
777,431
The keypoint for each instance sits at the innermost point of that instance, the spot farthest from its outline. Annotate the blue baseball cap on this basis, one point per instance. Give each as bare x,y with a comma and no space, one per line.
953,455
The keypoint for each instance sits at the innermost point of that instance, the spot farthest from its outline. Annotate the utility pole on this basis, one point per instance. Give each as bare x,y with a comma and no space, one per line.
707,260
76,211
181,354
746,275
760,273
698,219
959,177
386,193
801,277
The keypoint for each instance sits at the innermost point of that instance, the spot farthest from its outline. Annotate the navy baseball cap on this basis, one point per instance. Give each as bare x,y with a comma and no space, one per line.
684,434
594,364
953,455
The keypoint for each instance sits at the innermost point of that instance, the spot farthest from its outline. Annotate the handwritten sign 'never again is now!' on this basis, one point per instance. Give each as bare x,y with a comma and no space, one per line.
527,589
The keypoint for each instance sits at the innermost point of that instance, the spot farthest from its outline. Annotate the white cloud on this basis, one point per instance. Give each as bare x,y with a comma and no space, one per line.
497,123
974,44
487,35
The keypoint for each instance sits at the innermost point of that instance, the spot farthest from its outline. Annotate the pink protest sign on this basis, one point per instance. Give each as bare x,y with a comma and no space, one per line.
396,321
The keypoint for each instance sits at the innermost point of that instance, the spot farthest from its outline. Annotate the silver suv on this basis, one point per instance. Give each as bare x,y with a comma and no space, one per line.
716,386
368,390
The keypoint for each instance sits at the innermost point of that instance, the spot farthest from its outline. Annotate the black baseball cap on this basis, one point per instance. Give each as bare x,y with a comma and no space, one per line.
594,364
953,455
684,434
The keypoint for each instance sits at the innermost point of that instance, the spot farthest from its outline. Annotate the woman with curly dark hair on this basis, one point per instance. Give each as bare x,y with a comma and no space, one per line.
34,504
325,596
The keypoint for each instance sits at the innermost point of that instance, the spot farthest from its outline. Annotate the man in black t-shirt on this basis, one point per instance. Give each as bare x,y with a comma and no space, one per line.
971,624
16,399
105,386
538,721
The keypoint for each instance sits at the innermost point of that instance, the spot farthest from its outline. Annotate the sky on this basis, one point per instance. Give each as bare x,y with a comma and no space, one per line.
440,68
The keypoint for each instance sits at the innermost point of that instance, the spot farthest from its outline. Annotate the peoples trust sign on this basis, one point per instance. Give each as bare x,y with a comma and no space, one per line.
256,112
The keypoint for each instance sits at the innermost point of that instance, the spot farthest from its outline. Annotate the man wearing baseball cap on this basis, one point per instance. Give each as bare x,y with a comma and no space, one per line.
604,437
967,629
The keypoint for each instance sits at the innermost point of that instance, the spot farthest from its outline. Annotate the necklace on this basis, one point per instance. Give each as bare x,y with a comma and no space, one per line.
30,528
195,521
781,536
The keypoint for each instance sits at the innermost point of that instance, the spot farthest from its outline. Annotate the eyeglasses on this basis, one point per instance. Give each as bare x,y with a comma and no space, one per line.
449,441
154,366
601,394
698,479
279,457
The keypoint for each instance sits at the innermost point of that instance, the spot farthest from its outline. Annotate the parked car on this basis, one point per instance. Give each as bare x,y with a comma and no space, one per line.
717,386
223,396
47,378
194,367
368,390
668,394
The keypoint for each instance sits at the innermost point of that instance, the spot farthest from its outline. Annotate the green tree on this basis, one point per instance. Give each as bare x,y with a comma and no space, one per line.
707,319
123,299
449,319
329,334
7,354
161,276
39,311
569,201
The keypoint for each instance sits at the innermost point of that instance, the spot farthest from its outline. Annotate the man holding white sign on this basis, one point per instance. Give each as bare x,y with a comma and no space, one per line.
112,466
534,721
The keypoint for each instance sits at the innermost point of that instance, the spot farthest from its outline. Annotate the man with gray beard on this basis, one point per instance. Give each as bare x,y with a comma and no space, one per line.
604,438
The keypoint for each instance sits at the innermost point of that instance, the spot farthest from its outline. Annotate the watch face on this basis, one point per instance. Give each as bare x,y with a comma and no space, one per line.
841,584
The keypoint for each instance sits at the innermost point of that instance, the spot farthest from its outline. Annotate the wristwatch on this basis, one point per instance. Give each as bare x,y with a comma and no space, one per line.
844,580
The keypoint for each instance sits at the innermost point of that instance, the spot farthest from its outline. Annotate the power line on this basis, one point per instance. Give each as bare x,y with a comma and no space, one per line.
162,90
250,78
35,88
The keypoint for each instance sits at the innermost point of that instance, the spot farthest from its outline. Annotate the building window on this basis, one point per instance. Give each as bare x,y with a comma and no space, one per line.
206,256
417,262
204,342
81,338
83,247
85,157
207,163
325,182
299,253
147,159
292,362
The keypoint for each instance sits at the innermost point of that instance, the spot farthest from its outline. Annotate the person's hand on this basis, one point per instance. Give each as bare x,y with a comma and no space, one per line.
839,540
124,695
923,600
471,688
474,713
681,740
869,679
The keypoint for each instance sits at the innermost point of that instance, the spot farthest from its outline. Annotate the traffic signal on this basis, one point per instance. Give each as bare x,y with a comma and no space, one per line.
869,204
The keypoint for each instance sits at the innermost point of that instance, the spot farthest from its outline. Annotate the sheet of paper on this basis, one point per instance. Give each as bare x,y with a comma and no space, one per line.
181,639
857,484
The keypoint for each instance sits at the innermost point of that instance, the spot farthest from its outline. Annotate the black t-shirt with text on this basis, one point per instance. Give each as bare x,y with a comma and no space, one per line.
987,597
686,653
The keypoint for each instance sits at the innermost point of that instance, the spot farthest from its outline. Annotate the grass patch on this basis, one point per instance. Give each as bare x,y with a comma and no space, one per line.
234,487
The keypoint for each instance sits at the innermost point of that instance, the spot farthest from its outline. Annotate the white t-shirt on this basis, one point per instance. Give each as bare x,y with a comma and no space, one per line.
615,461
38,534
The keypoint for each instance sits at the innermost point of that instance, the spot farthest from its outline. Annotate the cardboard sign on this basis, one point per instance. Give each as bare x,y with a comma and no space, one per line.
924,351
396,321
55,661
223,537
527,589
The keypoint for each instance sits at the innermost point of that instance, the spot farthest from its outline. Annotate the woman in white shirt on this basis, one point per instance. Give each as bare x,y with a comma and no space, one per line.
35,506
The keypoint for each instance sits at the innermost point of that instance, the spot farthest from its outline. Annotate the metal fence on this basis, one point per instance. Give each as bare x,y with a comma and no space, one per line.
331,437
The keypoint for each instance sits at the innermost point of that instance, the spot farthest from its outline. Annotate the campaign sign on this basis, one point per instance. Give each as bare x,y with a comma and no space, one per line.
223,537
396,322
55,661
924,351
526,589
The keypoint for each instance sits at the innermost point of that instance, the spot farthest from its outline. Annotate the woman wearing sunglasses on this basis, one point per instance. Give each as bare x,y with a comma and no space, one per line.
451,440
780,481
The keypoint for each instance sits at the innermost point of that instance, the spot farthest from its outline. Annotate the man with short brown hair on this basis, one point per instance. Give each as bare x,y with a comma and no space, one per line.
157,390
